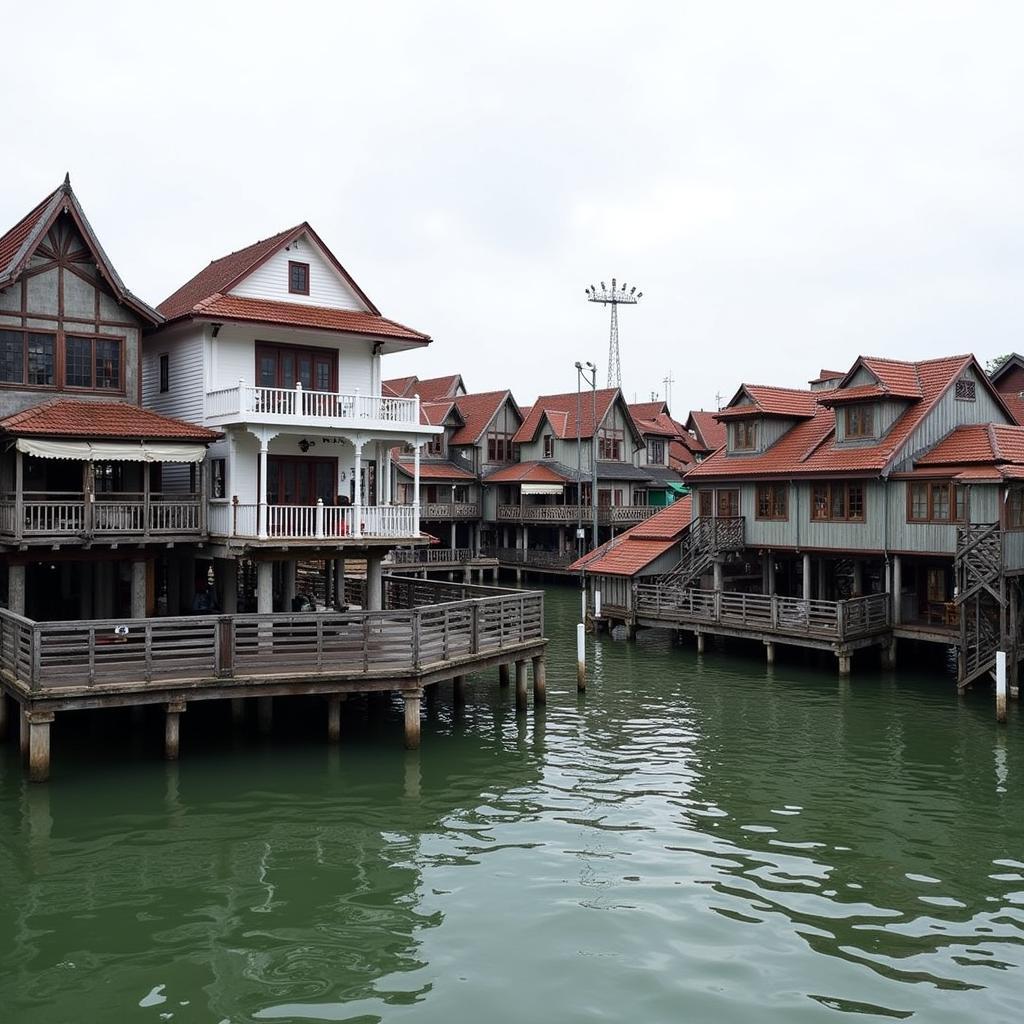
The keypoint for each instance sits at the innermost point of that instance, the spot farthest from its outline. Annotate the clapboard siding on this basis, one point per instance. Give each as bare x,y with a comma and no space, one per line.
326,286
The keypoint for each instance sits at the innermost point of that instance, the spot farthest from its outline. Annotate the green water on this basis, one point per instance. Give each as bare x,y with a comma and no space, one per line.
698,840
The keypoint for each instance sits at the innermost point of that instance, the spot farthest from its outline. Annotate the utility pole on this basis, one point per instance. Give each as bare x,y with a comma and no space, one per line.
615,296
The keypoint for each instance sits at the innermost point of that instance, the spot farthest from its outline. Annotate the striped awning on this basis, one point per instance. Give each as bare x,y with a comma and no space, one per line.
113,451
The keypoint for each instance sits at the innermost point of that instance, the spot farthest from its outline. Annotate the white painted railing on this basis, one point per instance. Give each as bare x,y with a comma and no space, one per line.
312,522
336,408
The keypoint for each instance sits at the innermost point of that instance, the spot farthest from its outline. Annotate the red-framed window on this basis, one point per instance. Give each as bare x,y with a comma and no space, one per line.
842,501
298,278
744,435
284,366
936,501
772,501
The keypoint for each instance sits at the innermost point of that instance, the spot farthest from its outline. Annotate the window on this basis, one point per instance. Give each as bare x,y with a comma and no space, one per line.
461,494
92,362
218,478
609,445
772,501
744,435
860,421
435,446
966,391
499,447
165,373
298,278
28,358
937,584
549,446
705,504
108,477
839,502
284,366
727,504
1015,509
936,501
656,452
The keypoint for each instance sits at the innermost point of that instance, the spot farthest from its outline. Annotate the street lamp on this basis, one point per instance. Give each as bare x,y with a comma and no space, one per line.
588,375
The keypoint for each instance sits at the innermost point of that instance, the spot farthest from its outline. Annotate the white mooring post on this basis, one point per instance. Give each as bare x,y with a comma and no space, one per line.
583,604
597,604
1000,686
581,657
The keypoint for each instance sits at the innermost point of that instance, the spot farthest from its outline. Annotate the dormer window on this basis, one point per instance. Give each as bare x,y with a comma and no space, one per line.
549,446
435,444
656,452
609,445
860,421
298,278
744,435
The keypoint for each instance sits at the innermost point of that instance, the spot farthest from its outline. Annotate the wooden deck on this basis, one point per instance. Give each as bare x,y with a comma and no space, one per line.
429,632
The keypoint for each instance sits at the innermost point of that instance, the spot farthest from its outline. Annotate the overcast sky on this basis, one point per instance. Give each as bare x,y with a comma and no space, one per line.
789,184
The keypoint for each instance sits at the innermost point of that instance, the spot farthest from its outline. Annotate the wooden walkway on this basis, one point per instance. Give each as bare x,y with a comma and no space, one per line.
429,632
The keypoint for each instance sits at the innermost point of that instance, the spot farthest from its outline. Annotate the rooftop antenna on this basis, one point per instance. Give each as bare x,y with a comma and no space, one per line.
718,400
615,296
668,382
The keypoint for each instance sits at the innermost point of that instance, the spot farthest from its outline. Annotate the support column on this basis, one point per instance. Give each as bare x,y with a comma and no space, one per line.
844,664
858,577
889,654
413,700
459,691
540,685
521,700
16,589
172,729
229,584
807,577
718,574
339,581
334,717
821,579
265,715
23,734
39,745
769,650
897,589
700,643
187,571
771,573
357,511
264,587
288,572
139,588
374,582
503,675
261,511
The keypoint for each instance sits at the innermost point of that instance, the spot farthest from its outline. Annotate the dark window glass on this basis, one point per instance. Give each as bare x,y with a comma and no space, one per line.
78,362
165,372
218,473
41,349
12,357
298,278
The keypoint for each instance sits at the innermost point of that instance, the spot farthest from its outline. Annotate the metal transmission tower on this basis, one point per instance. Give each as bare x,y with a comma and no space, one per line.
615,296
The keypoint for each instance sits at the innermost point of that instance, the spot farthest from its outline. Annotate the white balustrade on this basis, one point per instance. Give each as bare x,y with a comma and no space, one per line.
311,522
327,408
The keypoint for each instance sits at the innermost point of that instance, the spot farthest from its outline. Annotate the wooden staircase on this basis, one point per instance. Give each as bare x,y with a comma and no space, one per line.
982,599
707,538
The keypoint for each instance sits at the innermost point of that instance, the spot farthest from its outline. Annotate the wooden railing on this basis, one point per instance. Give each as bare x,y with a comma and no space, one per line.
450,510
430,556
244,401
540,559
606,514
718,533
49,514
311,522
424,635
763,613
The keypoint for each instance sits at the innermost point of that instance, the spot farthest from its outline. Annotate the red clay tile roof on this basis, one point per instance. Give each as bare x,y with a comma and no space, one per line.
1015,403
809,447
857,393
292,314
711,434
434,470
898,378
647,410
433,414
527,473
770,401
824,375
223,274
19,243
400,387
64,417
561,413
993,444
477,411
638,547
437,388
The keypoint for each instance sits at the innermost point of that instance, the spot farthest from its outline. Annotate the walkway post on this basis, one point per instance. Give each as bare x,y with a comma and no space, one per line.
521,698
581,657
1000,686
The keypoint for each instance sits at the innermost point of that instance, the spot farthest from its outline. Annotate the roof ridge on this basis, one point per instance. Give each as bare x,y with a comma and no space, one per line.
993,441
253,245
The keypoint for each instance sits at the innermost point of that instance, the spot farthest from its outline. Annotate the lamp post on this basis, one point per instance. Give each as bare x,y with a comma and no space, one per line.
589,375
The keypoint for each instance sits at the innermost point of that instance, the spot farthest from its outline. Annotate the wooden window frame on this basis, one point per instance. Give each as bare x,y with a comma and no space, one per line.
610,444
218,476
92,388
721,493
830,490
60,340
165,372
965,390
865,424
706,503
496,439
275,463
954,491
655,445
1014,516
549,446
744,436
774,500
293,264
296,351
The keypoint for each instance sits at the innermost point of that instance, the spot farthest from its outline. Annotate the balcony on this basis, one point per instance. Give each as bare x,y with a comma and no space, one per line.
449,510
607,515
298,407
325,523
46,516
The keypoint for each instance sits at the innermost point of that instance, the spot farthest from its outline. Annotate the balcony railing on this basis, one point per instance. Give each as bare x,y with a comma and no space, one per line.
312,522
430,556
766,614
613,515
47,514
450,510
298,406
531,557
